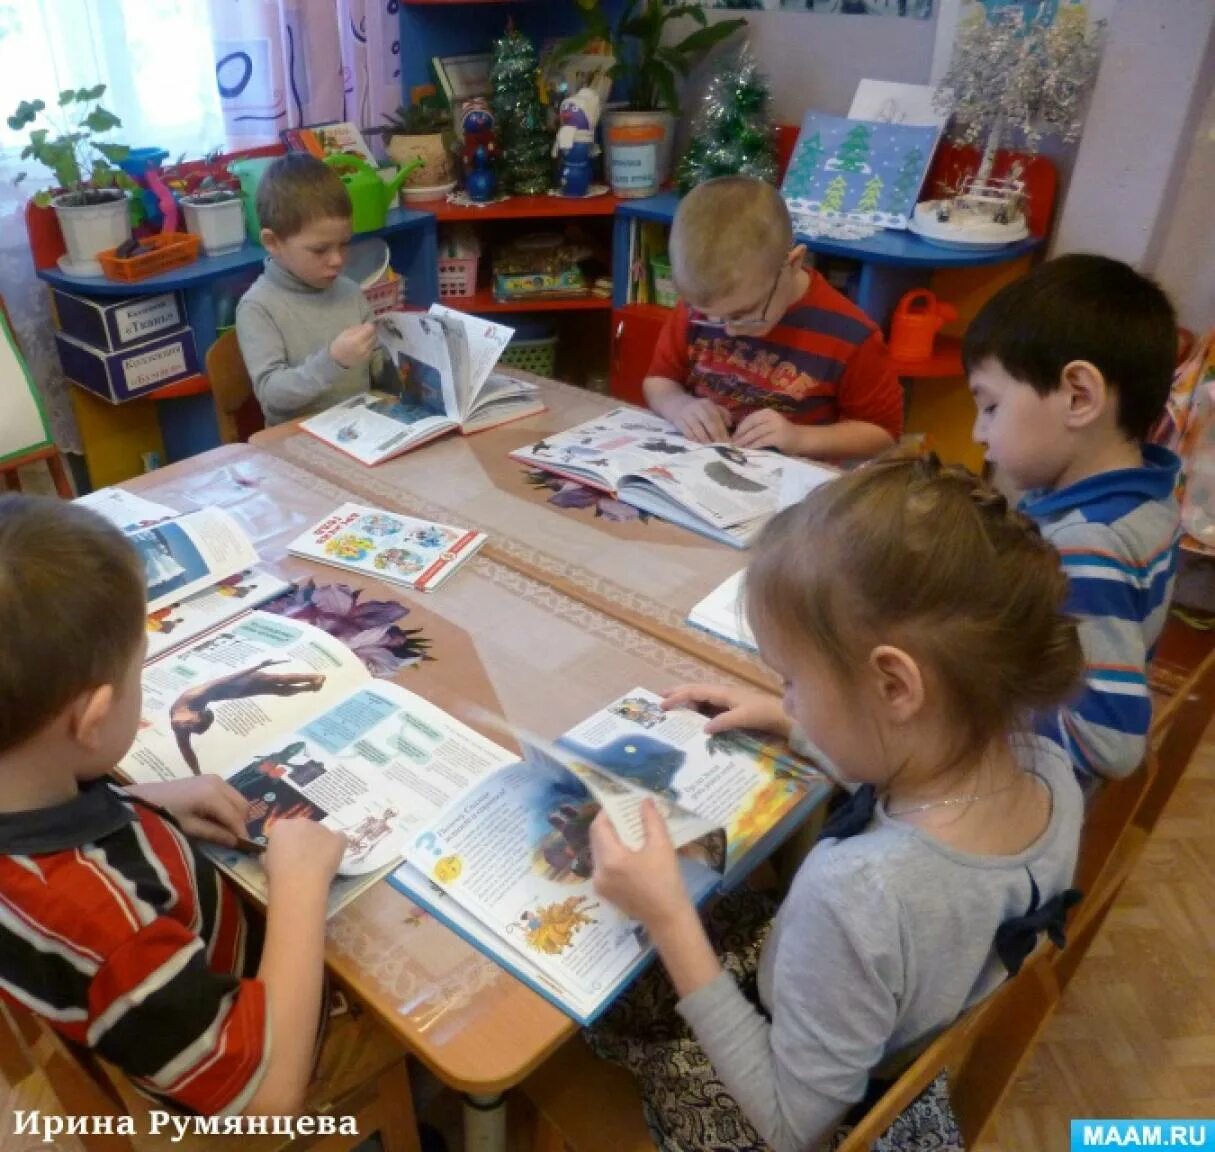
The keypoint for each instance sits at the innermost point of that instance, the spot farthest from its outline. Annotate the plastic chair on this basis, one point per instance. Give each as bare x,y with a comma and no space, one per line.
237,411
381,1101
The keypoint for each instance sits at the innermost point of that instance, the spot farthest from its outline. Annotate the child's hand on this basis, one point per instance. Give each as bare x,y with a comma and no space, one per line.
206,807
645,884
735,707
767,429
701,420
354,345
301,851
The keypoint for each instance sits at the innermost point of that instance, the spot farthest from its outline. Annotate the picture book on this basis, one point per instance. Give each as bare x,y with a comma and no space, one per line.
446,363
892,102
417,554
294,721
859,171
723,492
721,613
321,140
224,594
508,863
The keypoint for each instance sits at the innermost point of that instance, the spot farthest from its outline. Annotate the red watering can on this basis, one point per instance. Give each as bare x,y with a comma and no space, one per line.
917,320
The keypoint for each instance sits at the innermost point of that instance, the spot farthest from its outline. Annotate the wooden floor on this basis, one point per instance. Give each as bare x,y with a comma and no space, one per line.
1135,1034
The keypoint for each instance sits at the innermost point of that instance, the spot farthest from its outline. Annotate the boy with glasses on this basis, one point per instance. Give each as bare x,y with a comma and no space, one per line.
761,351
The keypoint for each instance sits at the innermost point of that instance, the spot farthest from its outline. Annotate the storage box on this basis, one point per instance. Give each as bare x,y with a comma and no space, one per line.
135,371
112,325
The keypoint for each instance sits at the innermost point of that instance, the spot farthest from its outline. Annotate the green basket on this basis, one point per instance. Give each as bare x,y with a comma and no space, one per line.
538,356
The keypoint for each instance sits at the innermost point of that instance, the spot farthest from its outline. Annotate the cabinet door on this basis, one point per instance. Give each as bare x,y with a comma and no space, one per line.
635,331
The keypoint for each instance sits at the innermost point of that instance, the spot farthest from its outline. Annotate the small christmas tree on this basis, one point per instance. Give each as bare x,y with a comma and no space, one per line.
902,193
833,199
872,194
732,132
523,134
854,150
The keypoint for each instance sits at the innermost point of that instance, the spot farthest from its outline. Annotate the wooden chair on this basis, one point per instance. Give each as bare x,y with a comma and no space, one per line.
237,411
380,1101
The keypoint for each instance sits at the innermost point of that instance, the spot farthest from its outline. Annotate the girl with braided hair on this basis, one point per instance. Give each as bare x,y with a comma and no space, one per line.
918,625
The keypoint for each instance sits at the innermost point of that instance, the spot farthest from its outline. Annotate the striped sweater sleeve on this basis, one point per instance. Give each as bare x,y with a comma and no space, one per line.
85,942
1112,595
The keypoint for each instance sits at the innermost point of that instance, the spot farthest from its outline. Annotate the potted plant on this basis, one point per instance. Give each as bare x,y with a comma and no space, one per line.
214,209
419,132
90,199
639,140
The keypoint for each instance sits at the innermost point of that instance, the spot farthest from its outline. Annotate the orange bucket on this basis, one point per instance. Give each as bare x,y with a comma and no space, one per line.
917,320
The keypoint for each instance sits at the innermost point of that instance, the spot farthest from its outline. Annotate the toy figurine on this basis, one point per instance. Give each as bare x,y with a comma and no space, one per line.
481,181
575,143
478,129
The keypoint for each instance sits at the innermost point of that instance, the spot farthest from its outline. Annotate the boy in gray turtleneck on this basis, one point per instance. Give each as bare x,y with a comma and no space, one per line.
305,330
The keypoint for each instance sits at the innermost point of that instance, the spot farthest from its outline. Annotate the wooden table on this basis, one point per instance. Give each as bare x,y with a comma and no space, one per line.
645,572
498,638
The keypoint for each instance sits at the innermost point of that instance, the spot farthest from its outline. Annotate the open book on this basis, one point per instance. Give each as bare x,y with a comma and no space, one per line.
199,567
294,721
416,554
446,363
508,865
721,491
720,612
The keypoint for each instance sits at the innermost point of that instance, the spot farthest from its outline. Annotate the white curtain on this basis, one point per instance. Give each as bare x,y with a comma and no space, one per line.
159,83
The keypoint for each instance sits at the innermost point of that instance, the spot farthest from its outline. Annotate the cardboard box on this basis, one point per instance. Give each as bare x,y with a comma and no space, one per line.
135,371
114,324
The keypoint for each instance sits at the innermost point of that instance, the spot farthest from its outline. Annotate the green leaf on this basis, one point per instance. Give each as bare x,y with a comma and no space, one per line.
664,81
100,120
115,153
94,93
574,45
703,39
694,10
673,60
67,96
42,199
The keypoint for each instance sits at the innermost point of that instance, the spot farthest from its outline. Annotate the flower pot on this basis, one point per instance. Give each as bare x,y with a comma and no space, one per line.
96,226
219,223
637,151
430,149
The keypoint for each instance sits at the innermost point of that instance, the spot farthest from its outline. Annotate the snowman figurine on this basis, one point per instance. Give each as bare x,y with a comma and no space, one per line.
575,143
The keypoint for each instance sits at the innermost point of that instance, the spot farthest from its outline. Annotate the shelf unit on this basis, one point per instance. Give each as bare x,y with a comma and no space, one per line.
484,302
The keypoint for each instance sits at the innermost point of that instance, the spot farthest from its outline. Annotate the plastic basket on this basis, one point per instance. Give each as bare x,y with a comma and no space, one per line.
538,356
169,250
385,295
458,276
665,294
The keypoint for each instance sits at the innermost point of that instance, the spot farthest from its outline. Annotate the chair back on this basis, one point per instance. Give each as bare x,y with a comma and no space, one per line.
237,411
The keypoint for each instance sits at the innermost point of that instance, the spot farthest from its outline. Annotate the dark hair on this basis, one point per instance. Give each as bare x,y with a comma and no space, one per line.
906,552
1083,307
73,606
298,189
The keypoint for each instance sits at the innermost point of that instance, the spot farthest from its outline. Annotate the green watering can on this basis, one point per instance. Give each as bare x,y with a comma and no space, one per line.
370,197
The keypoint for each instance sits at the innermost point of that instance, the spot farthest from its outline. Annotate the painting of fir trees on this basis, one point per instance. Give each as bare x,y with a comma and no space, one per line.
858,171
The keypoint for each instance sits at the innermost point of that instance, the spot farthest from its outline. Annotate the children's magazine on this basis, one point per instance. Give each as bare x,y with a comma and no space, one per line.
721,491
416,554
446,362
508,863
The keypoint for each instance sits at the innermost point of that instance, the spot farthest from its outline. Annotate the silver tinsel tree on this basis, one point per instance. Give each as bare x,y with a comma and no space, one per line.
1009,75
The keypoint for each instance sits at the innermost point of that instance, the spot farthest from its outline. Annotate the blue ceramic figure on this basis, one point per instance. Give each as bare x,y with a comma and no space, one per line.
481,180
575,143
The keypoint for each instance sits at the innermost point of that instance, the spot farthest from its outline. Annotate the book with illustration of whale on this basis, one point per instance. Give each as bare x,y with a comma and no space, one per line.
718,490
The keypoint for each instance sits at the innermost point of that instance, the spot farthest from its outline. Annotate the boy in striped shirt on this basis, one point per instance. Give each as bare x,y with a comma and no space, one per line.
1070,367
760,350
113,927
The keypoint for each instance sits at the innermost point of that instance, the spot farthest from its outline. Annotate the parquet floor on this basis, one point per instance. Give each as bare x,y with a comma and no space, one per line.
1135,1033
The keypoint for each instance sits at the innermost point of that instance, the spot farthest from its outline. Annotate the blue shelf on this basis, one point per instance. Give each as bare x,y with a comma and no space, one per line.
209,268
898,249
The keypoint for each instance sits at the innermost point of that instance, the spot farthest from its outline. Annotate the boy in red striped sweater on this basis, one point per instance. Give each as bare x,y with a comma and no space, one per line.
762,351
113,927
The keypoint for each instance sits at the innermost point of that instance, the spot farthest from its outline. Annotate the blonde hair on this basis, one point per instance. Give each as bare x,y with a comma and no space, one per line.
725,232
298,189
907,552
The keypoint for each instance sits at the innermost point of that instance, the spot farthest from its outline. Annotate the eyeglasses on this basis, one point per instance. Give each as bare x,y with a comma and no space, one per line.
747,322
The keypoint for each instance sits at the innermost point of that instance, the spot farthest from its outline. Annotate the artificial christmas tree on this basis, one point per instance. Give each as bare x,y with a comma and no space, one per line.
522,132
732,133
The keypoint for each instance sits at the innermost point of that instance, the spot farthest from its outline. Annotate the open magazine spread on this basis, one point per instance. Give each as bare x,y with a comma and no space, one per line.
175,550
719,490
446,362
508,863
414,553
720,612
292,719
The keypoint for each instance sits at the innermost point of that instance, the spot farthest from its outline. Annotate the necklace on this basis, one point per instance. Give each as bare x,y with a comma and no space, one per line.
968,799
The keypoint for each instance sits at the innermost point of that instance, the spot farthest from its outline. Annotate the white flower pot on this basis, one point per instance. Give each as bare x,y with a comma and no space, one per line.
91,228
637,151
219,224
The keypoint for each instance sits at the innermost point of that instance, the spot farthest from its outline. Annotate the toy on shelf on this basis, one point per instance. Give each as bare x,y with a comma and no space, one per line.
139,259
139,164
522,129
370,197
575,143
482,183
1009,73
539,266
478,130
915,324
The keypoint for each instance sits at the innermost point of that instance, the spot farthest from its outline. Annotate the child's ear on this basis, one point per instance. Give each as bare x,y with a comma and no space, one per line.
1087,394
86,723
269,240
900,685
797,256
